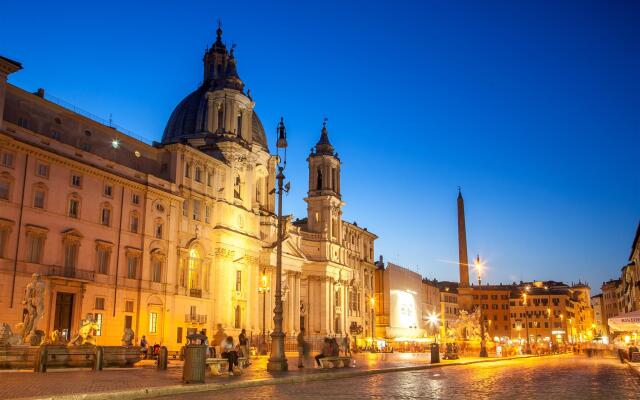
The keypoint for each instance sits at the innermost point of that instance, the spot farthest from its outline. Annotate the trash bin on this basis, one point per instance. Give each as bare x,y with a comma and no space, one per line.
195,357
163,358
435,353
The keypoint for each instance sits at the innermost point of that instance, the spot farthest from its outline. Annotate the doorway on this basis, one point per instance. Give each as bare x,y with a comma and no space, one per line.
63,317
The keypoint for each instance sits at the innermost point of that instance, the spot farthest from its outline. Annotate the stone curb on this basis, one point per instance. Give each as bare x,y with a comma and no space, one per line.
210,387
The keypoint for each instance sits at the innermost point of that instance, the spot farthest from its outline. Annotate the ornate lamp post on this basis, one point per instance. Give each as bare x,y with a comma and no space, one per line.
483,345
277,360
264,288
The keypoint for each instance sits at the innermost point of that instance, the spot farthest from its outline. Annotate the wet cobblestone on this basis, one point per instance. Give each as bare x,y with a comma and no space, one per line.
539,378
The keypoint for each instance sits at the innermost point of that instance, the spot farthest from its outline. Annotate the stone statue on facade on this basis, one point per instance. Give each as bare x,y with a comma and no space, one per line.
33,308
127,337
86,333
7,337
467,326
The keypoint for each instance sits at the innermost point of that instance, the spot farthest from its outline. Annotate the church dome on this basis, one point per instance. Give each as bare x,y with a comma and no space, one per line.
189,119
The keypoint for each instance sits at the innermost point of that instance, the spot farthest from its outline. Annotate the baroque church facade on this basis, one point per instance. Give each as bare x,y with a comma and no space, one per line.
176,236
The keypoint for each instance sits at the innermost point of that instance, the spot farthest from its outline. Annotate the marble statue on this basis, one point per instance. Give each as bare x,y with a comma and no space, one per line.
127,337
33,307
87,332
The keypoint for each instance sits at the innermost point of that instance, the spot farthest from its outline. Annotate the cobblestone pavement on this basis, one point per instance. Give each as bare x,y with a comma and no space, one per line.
57,382
565,377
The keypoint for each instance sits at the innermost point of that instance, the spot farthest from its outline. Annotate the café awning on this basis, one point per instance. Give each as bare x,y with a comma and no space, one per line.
629,322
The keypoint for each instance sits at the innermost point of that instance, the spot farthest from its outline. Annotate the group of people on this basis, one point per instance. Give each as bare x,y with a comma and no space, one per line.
330,348
144,348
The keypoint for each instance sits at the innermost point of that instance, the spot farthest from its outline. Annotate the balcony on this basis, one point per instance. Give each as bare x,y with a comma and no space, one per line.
60,271
195,318
195,293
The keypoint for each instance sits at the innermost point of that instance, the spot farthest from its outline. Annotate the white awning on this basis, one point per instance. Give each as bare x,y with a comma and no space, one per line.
628,322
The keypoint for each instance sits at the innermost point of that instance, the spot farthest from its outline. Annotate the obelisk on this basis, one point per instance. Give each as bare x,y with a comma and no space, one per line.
463,259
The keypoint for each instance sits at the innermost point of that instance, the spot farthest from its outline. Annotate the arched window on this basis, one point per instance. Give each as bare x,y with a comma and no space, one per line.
157,263
194,269
239,124
319,177
259,184
198,174
237,187
220,117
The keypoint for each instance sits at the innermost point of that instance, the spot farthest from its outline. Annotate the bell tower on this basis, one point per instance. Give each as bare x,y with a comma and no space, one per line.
324,201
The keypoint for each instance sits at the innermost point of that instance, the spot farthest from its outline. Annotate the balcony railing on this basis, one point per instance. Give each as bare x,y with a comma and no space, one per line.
195,318
195,292
67,272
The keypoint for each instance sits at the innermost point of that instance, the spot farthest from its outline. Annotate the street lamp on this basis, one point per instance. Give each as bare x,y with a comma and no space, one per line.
372,301
526,314
263,289
483,346
278,360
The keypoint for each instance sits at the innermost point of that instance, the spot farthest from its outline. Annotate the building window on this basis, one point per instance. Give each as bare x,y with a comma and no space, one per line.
239,123
153,322
76,180
132,266
187,170
103,257
133,222
238,281
135,198
42,170
98,318
74,207
196,209
237,188
5,230
185,208
71,248
23,122
128,319
99,303
210,178
7,159
108,190
105,216
39,195
35,246
238,317
198,174
158,229
156,270
5,189
207,213
128,306
179,335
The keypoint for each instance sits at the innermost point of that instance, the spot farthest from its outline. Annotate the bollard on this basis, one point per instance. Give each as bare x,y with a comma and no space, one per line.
98,358
41,360
163,358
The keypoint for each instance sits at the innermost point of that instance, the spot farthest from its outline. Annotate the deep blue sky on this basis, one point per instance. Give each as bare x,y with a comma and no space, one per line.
532,108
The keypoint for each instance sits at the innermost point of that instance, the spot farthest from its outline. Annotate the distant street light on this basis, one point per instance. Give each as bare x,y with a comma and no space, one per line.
483,345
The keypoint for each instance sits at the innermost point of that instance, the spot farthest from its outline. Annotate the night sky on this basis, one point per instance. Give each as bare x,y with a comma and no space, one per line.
531,107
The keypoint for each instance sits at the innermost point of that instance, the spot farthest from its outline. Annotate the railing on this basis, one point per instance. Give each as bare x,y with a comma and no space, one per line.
195,318
69,272
195,293
103,121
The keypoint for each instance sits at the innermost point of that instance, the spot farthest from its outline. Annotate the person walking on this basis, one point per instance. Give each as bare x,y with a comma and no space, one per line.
346,344
229,352
244,345
302,348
